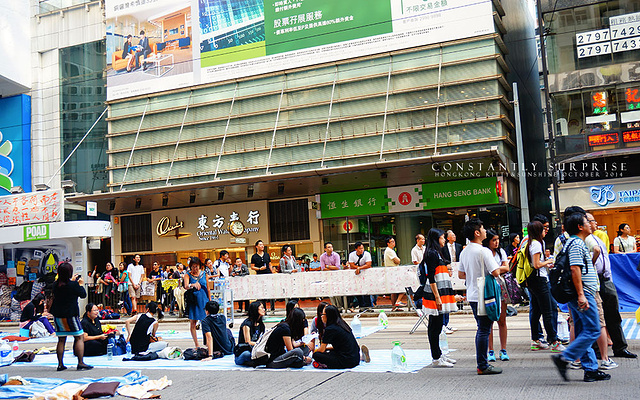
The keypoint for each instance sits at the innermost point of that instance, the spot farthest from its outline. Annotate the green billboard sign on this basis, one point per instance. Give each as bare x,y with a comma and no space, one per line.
428,196
36,232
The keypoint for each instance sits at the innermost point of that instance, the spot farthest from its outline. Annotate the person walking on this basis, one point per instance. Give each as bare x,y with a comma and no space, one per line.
584,309
196,281
492,242
66,291
438,295
625,242
475,262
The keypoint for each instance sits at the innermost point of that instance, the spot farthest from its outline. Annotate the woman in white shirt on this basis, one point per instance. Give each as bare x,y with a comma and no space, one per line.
492,242
625,242
542,303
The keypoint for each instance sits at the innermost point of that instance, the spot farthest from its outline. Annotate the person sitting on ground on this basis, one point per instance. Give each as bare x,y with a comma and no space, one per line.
339,348
250,331
215,334
143,336
34,311
317,324
95,342
285,347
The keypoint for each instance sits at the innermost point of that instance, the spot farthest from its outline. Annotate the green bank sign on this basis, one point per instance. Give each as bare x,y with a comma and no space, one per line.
428,196
36,232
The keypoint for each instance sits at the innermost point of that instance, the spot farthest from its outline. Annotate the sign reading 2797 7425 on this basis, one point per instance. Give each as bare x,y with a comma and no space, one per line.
623,34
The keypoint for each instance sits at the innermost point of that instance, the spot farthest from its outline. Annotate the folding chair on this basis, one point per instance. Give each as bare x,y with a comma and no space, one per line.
422,317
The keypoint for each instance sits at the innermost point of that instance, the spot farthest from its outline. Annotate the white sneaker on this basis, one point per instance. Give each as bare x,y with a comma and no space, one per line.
609,364
447,330
452,328
447,359
441,363
575,365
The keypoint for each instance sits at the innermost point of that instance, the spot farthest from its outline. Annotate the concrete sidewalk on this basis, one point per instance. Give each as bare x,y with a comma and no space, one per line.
529,375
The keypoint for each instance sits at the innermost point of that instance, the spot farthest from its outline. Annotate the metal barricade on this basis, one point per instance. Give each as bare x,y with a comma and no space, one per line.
107,295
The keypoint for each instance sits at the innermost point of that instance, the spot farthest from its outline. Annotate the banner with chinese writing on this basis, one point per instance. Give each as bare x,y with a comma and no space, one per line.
189,42
31,208
428,196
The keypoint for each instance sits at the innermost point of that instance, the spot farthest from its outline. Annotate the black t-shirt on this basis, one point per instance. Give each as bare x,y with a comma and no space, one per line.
254,331
216,325
153,274
91,328
258,262
344,344
275,345
65,299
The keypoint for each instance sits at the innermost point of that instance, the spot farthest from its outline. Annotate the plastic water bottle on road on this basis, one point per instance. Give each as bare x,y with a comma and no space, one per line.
563,328
128,349
398,358
382,319
356,326
15,350
5,353
110,351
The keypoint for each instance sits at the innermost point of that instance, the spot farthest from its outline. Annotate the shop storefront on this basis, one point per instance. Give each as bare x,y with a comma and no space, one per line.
612,202
173,235
370,216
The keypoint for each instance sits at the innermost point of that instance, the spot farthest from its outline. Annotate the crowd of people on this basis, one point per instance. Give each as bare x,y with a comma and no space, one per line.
329,342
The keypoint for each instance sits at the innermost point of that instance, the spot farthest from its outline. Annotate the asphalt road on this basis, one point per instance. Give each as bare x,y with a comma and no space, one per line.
528,375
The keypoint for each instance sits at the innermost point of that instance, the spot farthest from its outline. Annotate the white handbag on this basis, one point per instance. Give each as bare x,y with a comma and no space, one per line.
480,282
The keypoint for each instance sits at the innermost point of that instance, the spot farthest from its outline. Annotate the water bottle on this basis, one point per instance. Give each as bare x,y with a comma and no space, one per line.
398,358
15,350
443,342
128,349
563,328
356,326
5,353
110,351
383,320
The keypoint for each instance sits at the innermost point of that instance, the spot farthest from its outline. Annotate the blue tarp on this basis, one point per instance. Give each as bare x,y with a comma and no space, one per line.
39,385
627,280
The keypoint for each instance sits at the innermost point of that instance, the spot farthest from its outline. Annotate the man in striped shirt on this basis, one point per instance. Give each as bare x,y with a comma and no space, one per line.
584,309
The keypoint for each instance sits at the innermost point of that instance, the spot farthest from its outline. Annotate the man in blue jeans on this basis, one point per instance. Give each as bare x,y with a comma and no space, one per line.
584,310
473,259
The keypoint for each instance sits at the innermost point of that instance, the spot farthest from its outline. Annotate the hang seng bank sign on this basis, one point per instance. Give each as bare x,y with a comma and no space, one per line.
224,224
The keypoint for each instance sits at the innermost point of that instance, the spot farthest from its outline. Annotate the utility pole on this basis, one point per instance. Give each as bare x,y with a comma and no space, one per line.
552,138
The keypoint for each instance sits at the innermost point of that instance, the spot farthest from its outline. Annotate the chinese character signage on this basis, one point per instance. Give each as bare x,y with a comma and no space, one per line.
217,226
603,139
600,102
191,42
30,208
631,136
428,196
632,98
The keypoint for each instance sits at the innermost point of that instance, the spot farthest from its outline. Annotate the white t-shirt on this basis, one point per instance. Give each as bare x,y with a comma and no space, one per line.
136,272
500,256
353,258
473,258
222,267
624,245
416,254
536,247
389,255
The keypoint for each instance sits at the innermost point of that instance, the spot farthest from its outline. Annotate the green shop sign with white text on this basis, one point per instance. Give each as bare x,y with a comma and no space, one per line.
428,196
36,232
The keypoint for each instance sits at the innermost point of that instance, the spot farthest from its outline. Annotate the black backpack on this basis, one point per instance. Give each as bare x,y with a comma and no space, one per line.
562,287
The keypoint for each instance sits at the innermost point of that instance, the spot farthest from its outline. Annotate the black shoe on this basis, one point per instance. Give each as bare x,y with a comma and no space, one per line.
625,354
592,376
84,367
561,364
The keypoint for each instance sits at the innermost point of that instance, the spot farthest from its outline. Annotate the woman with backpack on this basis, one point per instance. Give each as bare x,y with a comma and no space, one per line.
492,242
285,346
438,296
540,291
250,331
339,348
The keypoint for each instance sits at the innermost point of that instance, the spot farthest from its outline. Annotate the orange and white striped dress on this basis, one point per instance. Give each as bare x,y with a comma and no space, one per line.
438,273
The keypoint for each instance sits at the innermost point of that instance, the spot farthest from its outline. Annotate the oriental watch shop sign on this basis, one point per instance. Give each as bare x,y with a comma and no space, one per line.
212,227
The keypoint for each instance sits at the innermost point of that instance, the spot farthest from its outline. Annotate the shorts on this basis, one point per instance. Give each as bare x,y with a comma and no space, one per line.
600,310
134,292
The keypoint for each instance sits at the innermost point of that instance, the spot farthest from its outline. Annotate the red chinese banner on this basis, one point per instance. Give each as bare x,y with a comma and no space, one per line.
631,136
31,208
603,139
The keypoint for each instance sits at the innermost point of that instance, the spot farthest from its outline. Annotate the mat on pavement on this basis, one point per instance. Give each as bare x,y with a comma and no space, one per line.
631,328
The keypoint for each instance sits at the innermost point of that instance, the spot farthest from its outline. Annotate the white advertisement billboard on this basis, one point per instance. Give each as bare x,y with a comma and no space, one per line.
156,45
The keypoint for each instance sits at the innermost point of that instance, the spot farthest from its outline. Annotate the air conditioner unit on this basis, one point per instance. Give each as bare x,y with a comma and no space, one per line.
562,127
